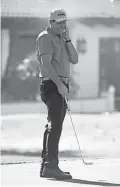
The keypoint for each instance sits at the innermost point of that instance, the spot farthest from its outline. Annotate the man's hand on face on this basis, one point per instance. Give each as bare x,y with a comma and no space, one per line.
65,34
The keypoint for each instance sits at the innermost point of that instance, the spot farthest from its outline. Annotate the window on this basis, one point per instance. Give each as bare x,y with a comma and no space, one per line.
81,45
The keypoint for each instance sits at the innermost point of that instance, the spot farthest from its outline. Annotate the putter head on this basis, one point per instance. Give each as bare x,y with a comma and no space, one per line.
87,163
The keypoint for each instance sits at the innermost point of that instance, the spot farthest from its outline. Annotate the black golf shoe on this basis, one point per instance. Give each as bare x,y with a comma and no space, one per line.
55,173
42,166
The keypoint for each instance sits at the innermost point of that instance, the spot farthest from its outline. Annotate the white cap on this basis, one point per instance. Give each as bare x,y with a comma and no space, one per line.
58,15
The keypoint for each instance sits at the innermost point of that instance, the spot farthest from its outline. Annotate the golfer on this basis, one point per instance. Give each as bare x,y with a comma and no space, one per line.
55,52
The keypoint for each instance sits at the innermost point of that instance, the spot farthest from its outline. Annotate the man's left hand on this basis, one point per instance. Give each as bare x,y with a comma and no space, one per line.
65,34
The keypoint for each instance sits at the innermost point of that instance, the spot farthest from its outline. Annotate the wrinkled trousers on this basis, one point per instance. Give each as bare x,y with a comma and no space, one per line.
56,107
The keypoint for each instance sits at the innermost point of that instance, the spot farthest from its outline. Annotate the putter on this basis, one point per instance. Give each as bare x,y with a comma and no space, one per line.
68,108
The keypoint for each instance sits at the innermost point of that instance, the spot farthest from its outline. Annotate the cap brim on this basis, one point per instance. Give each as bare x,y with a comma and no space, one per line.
61,19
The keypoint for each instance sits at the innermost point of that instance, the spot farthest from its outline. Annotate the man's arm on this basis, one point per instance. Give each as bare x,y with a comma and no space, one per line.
44,55
73,56
48,68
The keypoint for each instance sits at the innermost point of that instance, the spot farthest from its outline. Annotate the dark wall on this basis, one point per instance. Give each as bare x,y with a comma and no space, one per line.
24,24
23,33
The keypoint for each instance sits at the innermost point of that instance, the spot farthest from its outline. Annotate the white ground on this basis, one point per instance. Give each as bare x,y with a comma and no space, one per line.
99,135
101,173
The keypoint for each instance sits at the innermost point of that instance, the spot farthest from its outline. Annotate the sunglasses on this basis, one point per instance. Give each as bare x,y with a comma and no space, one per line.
60,22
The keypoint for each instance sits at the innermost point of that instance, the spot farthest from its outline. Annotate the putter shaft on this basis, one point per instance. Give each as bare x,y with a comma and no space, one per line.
86,163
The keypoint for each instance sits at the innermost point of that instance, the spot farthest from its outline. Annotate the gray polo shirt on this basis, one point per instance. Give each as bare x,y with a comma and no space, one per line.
50,44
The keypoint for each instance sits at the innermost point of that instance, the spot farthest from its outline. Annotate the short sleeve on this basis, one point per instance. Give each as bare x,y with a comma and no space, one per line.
44,45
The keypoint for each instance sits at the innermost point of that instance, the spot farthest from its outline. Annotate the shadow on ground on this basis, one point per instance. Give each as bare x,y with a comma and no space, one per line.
98,183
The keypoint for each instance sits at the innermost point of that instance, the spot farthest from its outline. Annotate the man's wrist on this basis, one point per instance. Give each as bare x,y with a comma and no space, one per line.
67,41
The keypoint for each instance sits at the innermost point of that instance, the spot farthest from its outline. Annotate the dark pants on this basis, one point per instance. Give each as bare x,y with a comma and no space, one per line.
56,106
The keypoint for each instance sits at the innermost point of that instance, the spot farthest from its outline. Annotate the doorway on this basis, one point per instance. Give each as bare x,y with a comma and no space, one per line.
110,64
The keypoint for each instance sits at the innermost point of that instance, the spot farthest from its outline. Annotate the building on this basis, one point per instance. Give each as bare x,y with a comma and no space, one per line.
95,31
98,43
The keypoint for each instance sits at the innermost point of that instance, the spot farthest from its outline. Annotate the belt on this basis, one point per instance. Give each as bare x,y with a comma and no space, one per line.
64,79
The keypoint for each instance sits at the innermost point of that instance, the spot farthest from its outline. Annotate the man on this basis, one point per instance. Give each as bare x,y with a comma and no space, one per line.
55,52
